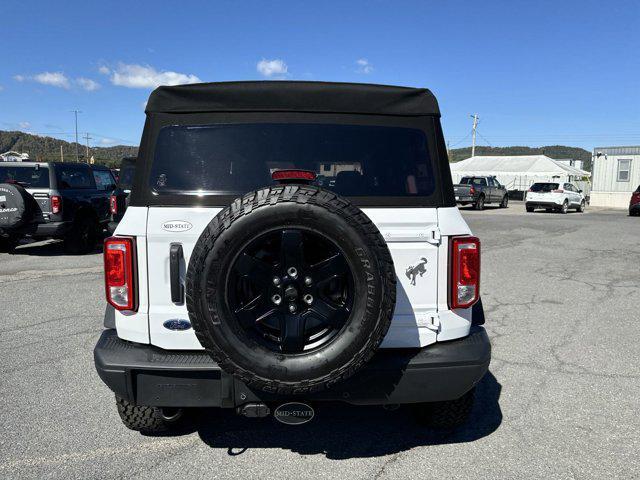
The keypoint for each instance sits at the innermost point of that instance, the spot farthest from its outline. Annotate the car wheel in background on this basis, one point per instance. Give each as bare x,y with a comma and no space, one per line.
581,207
9,243
479,205
565,207
505,202
150,420
83,236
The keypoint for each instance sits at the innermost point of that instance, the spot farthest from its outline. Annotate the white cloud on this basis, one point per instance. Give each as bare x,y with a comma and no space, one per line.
104,70
54,79
1,88
87,84
364,66
24,125
107,141
145,76
19,78
272,68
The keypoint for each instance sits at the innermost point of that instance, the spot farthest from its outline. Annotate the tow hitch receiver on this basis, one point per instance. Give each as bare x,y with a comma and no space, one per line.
253,410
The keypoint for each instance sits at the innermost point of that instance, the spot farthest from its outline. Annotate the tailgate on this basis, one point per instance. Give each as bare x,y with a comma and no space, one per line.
410,233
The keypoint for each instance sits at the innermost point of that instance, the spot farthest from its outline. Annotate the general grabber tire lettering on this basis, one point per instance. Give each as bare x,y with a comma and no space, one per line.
274,352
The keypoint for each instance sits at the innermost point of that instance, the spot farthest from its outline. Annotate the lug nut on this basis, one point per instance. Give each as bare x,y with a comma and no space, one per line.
292,272
308,281
277,299
292,308
276,281
308,299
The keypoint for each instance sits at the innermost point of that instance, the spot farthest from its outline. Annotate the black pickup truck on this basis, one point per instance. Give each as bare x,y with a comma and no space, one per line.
478,191
69,201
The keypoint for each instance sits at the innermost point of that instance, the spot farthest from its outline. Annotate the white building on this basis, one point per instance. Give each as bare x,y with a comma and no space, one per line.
616,173
519,172
571,162
14,157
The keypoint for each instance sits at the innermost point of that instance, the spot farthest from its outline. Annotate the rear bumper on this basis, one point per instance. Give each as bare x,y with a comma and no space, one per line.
538,204
52,229
146,375
635,209
48,229
465,199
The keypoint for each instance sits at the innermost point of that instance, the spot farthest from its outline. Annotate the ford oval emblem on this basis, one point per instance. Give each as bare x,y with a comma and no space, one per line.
176,226
177,324
294,413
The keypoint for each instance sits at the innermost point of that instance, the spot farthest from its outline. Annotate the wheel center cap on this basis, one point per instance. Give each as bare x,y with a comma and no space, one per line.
291,293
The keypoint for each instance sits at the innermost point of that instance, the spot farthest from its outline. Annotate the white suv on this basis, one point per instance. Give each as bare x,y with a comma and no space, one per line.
552,196
288,243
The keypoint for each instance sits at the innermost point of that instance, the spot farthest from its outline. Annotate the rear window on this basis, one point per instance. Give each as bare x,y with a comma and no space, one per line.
75,176
232,159
544,187
27,176
127,169
473,181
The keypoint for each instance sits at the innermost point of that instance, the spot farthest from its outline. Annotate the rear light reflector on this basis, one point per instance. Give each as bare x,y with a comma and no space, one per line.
56,204
472,191
119,274
464,274
285,175
113,203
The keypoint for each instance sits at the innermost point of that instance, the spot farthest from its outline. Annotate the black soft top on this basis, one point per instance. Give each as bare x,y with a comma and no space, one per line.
288,96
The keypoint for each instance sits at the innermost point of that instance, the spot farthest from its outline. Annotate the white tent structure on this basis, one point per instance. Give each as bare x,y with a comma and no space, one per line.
519,172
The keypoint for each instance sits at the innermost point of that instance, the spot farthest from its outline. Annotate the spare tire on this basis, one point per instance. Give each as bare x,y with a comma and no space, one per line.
16,206
291,289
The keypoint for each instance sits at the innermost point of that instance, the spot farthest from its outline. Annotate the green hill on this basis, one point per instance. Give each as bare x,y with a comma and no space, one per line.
552,151
45,149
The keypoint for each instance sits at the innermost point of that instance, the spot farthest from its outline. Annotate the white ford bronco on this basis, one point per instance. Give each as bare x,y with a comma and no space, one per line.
290,243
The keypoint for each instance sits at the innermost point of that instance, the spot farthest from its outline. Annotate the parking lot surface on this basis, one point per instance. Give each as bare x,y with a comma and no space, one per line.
561,400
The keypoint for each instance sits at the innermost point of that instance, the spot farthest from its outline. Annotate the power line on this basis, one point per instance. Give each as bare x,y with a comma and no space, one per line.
460,141
484,138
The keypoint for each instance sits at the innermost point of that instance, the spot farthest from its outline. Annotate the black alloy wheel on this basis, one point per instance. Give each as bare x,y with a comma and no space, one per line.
291,290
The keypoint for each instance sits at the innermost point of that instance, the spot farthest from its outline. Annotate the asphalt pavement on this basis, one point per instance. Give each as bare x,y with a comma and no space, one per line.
561,400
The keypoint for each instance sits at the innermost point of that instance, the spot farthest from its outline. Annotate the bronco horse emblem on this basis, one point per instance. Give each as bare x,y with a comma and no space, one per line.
412,272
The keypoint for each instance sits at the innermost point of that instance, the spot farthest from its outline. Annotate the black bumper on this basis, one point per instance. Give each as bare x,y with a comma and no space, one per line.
634,209
43,230
542,205
146,375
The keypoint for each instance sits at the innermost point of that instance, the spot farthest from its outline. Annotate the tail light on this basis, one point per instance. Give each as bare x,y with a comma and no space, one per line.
464,275
113,203
56,204
472,191
119,274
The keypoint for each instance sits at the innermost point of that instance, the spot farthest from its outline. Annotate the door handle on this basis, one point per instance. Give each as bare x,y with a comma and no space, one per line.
175,259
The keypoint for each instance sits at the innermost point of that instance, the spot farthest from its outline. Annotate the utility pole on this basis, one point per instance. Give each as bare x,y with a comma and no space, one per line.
473,135
61,154
76,113
87,138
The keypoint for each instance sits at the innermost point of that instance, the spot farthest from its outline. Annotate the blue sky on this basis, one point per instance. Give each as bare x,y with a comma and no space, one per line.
537,73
